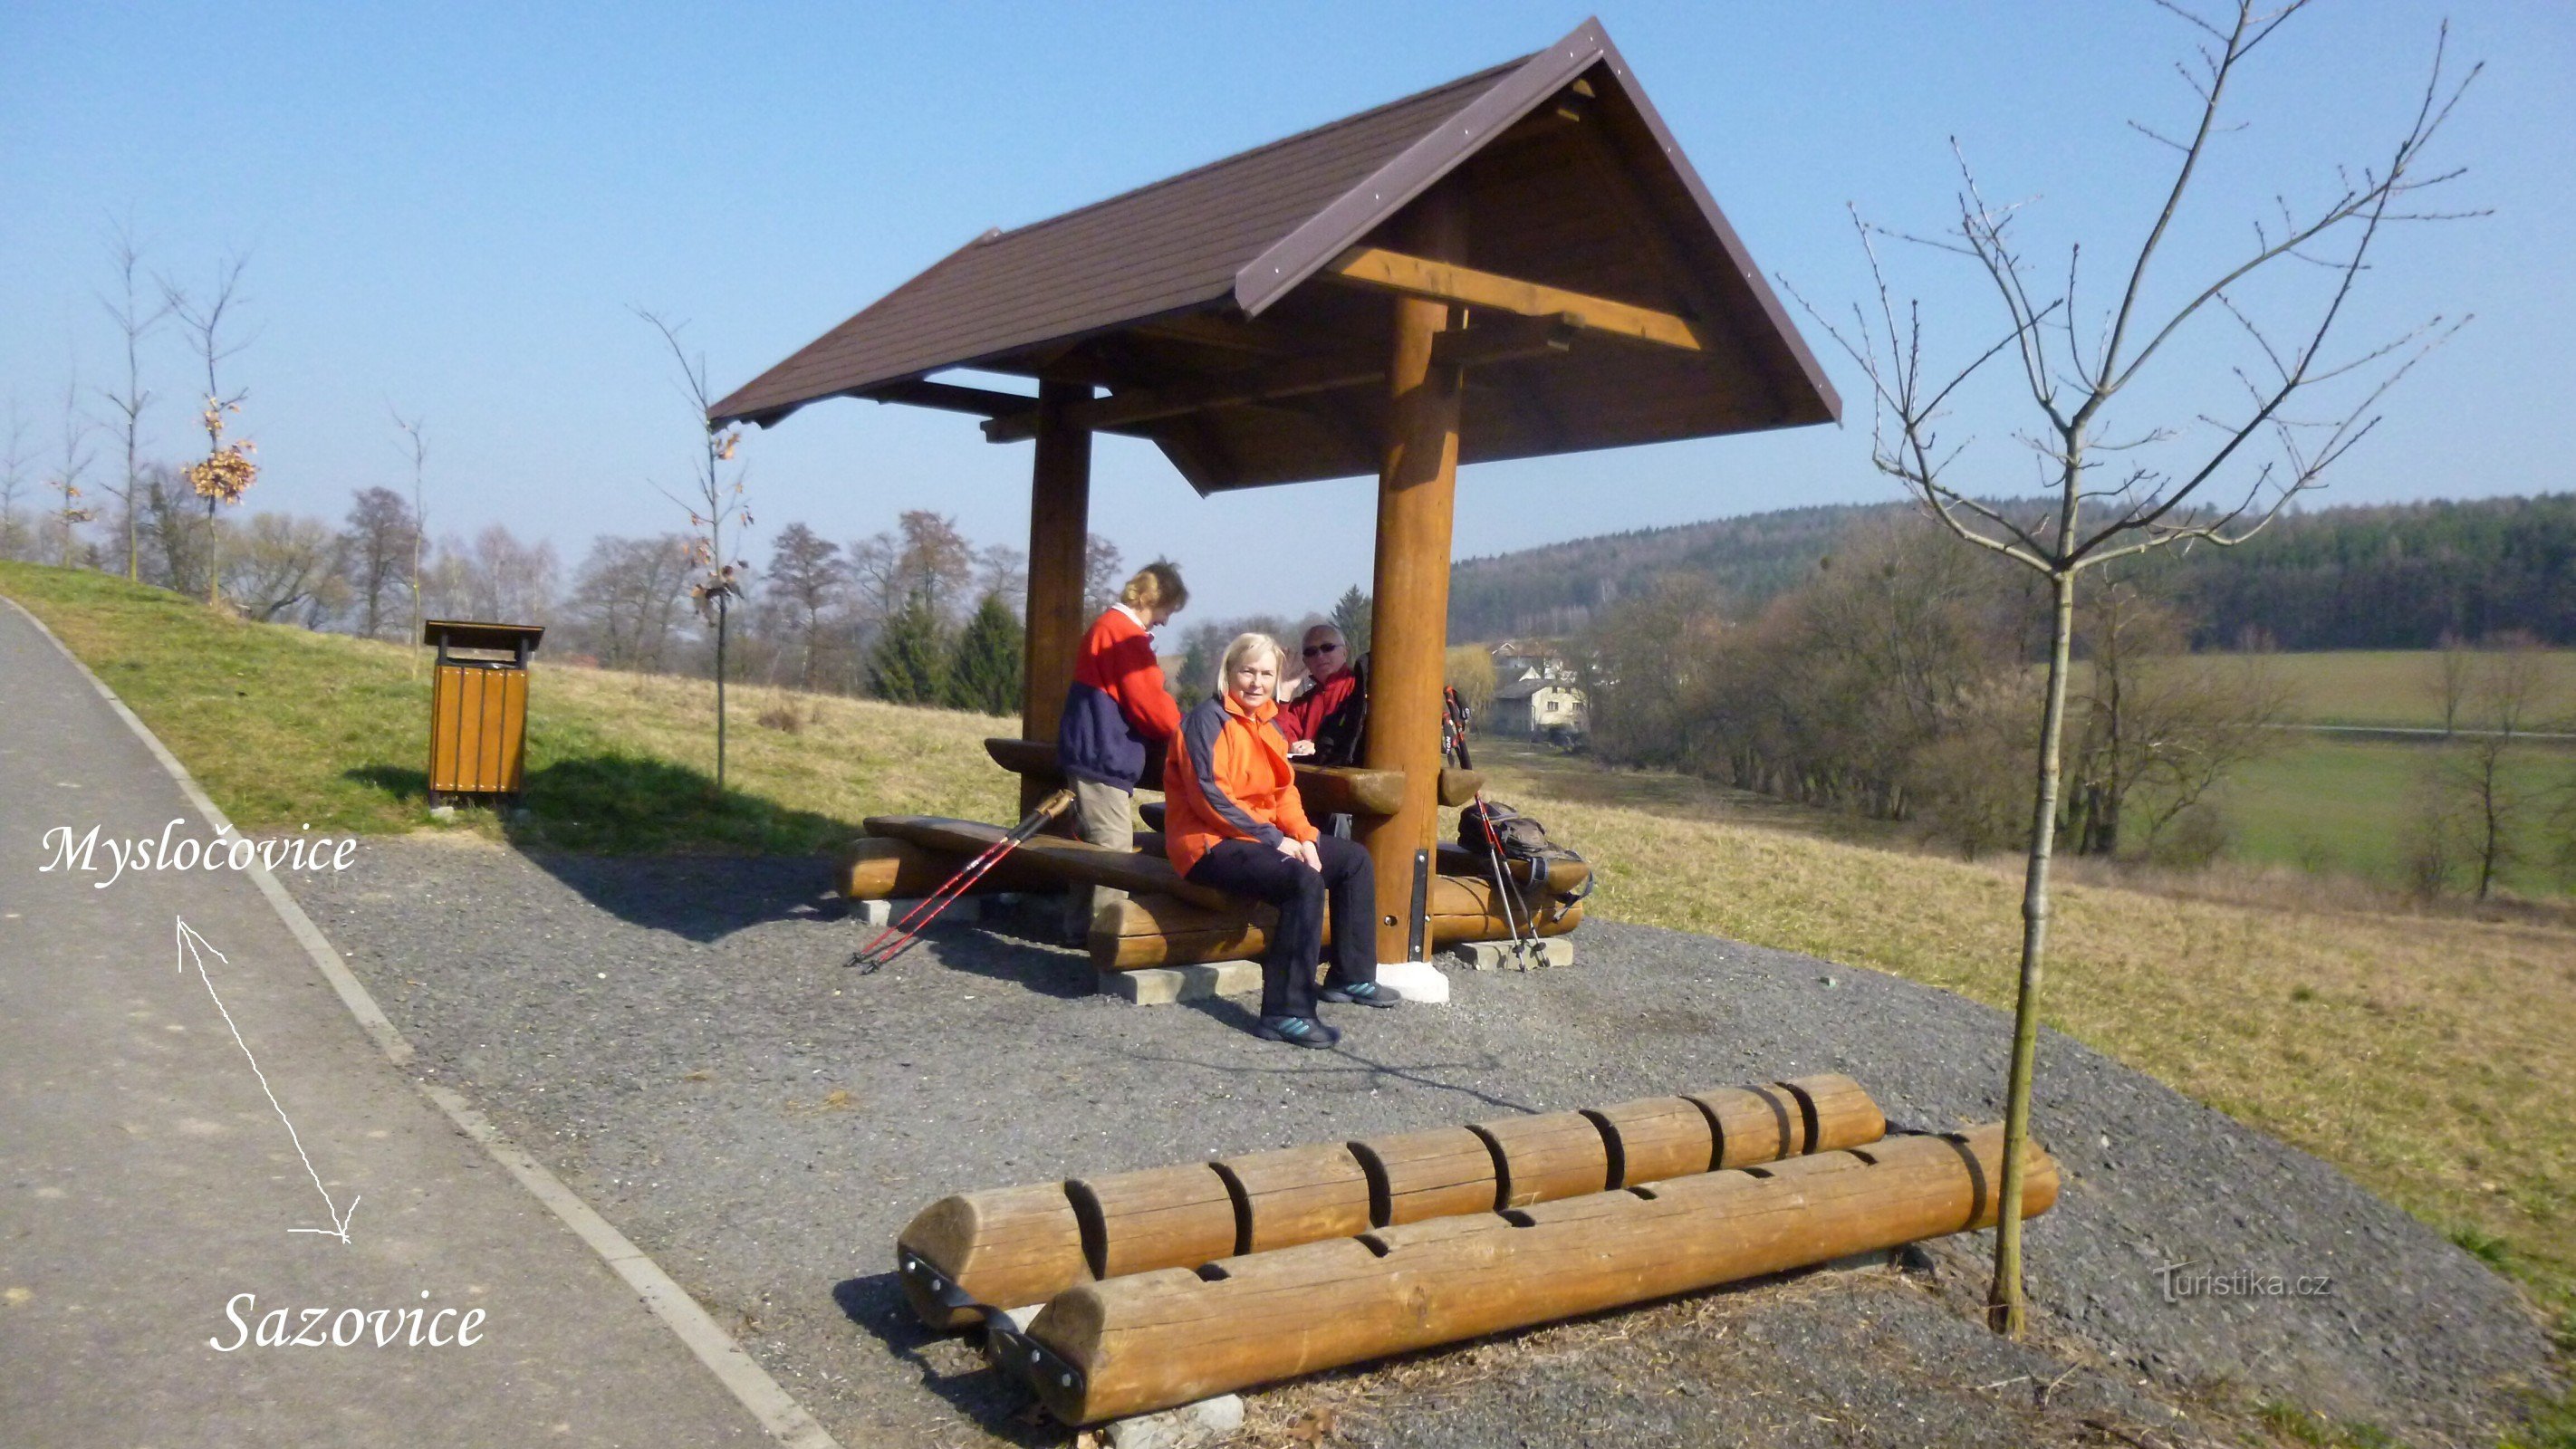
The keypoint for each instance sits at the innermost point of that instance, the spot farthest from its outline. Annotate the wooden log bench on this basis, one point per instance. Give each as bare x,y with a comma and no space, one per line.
1323,789
1164,920
1022,1245
1149,1340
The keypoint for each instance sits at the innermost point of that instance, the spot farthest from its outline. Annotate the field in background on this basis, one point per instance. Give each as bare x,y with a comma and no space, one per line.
2392,688
2424,1054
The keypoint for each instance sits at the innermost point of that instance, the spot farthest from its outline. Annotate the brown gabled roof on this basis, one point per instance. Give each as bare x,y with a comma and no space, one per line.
1209,272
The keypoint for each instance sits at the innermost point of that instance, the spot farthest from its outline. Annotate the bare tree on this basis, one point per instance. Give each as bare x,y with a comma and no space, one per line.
134,322
1102,573
2154,725
1002,571
2507,692
280,564
69,513
13,476
626,596
415,450
2215,485
2450,682
806,577
382,531
715,506
226,472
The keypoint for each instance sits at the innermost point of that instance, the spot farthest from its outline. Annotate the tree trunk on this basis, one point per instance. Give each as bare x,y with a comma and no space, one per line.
2004,1300
721,615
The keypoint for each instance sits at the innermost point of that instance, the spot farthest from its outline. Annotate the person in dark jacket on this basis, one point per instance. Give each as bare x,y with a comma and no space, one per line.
1232,820
1329,681
1116,714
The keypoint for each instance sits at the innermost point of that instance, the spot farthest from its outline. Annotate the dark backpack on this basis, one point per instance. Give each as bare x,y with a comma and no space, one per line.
1490,823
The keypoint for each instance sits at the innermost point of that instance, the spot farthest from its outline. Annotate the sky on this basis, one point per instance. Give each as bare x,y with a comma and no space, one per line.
454,211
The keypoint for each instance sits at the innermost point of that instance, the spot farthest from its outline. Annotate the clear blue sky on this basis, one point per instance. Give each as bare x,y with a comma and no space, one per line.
450,209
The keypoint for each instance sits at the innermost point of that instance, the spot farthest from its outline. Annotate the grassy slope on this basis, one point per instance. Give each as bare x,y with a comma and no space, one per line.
2425,1055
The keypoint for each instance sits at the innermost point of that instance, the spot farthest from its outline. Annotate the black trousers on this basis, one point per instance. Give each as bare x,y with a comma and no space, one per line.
1250,868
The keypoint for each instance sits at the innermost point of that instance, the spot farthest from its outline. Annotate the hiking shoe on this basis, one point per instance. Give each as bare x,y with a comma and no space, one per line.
1296,1031
1359,993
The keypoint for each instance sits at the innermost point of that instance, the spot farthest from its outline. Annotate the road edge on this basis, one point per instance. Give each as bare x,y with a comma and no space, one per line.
776,1410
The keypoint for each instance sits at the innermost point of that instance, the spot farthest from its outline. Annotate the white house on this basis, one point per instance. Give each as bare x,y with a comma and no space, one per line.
1535,694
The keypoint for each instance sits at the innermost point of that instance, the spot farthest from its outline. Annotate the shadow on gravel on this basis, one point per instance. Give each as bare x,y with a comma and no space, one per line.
1001,955
998,1405
699,898
1457,1078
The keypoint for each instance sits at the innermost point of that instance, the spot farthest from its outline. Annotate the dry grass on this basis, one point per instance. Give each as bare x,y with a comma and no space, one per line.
2427,1055
849,759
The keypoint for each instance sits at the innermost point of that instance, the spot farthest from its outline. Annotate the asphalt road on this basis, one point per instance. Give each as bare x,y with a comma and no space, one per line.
149,1177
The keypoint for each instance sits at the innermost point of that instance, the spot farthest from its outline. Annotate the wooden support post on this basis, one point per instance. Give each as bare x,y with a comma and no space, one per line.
1409,620
1059,544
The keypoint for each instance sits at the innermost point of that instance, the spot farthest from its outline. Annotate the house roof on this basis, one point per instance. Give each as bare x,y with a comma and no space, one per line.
1569,179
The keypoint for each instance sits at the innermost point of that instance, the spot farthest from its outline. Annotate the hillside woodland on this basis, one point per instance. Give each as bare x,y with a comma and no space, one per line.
2386,576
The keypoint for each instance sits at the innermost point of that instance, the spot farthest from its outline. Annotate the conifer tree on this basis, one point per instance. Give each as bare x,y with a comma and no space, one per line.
984,669
906,667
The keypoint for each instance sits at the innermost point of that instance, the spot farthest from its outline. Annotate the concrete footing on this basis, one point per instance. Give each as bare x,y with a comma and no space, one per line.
1505,956
1413,980
1163,985
1191,1426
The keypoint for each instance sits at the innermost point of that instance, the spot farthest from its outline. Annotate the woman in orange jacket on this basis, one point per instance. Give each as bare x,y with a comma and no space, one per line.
1232,820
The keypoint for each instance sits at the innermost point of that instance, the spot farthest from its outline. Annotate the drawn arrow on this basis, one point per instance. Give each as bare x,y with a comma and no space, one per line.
189,942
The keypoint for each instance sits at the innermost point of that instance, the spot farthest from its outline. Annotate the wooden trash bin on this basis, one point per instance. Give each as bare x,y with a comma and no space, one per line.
478,707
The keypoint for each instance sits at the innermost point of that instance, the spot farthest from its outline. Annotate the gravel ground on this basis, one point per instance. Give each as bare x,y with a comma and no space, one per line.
678,1040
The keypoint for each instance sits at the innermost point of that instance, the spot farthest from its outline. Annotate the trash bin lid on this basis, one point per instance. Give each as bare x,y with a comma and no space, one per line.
462,634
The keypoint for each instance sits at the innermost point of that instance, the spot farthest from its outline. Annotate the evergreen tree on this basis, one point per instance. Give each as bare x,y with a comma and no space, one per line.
906,667
1351,614
984,669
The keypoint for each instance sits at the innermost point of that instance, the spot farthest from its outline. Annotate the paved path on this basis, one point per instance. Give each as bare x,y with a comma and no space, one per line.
146,1179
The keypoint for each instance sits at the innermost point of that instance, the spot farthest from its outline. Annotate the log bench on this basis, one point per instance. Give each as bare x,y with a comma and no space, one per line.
1165,920
1324,789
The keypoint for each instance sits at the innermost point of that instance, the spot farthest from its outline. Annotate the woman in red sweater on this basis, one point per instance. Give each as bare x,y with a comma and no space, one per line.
1232,820
1116,715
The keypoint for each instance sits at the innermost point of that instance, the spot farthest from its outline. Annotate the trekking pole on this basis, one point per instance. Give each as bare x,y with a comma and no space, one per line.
898,938
1456,729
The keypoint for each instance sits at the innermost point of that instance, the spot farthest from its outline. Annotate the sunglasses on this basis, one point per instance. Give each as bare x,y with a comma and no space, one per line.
1311,650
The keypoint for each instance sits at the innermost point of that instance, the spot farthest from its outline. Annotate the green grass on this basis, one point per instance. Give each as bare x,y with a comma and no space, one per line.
2353,807
285,727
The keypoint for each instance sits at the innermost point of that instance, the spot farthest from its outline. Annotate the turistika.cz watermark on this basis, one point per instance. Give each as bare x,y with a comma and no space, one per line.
2180,1282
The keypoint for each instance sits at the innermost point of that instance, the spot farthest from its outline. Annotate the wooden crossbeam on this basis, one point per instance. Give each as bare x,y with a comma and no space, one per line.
1500,341
1128,410
1412,276
1507,340
949,397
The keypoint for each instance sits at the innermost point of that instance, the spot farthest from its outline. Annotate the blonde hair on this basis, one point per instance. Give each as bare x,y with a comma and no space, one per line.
1156,586
1244,647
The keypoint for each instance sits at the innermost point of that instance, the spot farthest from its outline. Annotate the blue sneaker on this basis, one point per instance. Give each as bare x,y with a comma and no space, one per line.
1296,1031
1359,993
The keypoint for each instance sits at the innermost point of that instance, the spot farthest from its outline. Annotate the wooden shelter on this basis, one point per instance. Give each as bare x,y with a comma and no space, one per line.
1517,263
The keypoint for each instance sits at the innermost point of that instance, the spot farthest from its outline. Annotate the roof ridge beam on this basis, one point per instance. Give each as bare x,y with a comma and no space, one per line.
1380,269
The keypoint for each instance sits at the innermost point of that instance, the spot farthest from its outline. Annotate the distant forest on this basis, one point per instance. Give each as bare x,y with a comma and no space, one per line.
2387,576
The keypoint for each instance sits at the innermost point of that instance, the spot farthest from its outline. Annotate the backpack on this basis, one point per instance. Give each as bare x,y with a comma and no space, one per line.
1488,823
